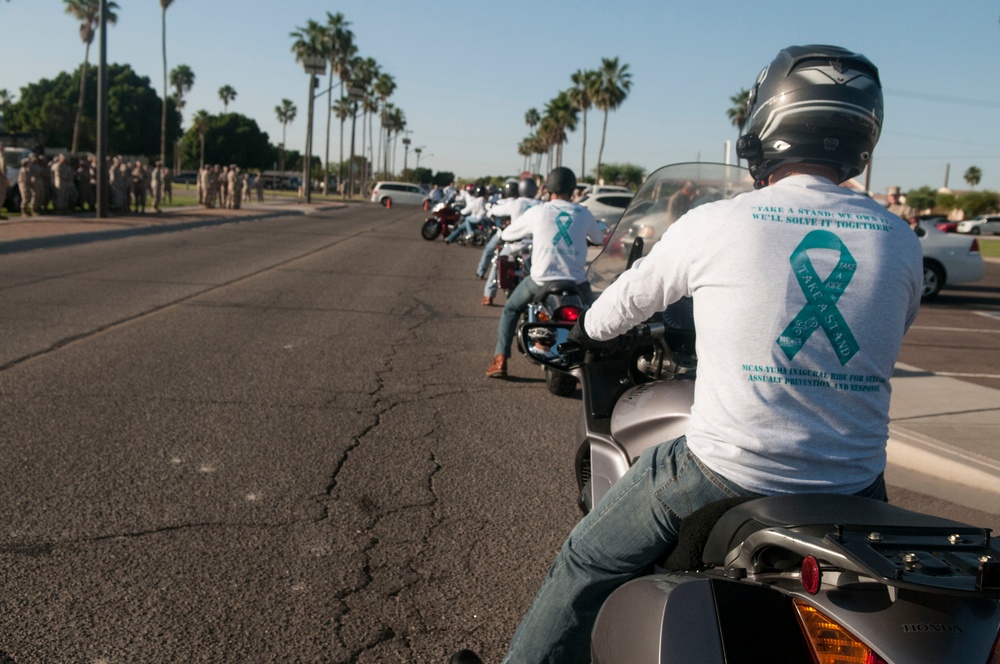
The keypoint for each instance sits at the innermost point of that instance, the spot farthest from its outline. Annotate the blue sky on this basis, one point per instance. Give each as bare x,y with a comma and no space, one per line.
468,71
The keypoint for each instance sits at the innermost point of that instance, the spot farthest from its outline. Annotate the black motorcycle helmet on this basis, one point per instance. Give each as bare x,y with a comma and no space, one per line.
816,104
527,188
561,180
480,191
510,188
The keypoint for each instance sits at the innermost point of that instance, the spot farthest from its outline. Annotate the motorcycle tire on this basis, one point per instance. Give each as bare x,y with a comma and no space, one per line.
430,230
559,383
478,240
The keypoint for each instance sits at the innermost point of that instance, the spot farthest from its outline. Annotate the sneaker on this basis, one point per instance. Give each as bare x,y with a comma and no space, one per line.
487,301
499,367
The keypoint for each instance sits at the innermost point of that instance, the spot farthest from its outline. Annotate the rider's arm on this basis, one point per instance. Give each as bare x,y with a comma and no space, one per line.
520,227
647,288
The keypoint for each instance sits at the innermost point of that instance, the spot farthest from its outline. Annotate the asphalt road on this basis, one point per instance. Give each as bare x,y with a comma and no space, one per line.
271,441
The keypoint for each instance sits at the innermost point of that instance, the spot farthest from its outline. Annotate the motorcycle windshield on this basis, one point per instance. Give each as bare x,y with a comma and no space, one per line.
662,199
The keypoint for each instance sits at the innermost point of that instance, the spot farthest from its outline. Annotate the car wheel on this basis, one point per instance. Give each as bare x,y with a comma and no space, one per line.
933,280
976,230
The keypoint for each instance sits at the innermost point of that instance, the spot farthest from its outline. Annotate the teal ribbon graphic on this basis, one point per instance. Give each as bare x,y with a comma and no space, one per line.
821,310
563,228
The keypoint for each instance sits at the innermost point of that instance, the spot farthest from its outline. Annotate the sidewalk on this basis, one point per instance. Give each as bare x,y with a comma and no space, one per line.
944,434
25,233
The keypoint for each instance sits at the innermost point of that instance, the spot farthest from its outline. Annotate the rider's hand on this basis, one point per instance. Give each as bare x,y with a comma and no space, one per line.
579,336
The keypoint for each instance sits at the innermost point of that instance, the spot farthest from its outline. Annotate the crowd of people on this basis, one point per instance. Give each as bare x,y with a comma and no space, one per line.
226,186
65,183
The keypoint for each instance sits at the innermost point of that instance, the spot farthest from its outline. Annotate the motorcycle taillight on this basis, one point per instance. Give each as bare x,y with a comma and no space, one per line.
567,314
829,642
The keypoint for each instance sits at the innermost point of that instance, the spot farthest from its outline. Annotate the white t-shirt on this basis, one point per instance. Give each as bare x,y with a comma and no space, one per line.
560,230
802,292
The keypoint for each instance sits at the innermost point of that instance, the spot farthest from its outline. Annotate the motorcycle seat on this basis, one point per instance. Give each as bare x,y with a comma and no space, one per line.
557,286
815,513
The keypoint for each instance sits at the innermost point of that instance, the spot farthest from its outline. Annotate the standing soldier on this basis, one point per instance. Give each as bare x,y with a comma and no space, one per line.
26,185
156,184
168,185
40,181
259,185
84,173
200,185
235,187
139,185
246,187
211,185
223,184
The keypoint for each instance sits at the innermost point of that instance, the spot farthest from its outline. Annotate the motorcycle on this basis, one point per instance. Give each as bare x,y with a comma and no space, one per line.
561,303
444,217
811,578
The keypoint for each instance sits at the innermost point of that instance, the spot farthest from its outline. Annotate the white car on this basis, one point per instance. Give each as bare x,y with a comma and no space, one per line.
393,193
607,206
984,223
948,259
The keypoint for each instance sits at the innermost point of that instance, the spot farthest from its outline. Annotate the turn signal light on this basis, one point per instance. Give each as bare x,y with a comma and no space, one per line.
829,642
974,249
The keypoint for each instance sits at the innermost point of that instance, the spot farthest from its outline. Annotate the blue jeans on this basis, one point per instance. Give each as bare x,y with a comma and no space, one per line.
464,227
517,302
484,260
637,521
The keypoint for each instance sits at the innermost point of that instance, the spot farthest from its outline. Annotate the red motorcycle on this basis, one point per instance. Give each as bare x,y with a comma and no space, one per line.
442,221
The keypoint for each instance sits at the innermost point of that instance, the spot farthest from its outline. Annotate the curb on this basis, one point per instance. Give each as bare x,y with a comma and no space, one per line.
69,239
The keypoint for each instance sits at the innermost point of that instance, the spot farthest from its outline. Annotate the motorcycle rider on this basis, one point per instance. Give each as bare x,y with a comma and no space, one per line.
474,212
560,230
518,197
802,292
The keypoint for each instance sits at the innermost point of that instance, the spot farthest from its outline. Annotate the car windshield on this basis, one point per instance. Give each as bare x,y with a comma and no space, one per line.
650,213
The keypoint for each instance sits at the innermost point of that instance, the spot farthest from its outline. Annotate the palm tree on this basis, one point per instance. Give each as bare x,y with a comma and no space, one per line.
532,118
164,4
616,81
201,122
286,113
226,93
973,175
88,12
383,88
738,113
182,80
340,49
585,84
312,41
561,112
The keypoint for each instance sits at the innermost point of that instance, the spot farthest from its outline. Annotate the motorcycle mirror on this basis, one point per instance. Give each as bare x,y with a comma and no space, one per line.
636,252
541,341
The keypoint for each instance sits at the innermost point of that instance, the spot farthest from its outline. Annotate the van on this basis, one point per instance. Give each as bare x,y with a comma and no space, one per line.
397,193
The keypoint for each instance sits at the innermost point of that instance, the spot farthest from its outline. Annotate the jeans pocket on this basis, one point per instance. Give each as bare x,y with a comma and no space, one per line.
693,485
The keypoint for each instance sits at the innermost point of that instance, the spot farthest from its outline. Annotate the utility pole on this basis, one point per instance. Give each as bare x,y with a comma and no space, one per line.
102,117
315,65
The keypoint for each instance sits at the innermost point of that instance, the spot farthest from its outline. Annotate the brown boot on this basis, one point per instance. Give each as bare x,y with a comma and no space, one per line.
499,367
487,301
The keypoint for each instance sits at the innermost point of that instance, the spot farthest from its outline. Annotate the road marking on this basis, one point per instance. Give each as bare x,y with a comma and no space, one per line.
987,314
951,374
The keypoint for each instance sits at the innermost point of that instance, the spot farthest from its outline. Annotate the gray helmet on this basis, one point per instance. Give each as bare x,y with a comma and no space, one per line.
815,104
527,188
561,180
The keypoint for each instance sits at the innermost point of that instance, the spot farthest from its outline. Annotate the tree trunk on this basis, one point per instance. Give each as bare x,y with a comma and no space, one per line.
329,117
163,116
600,151
583,150
79,104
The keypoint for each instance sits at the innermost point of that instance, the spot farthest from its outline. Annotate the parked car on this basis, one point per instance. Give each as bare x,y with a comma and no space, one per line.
984,223
592,189
607,207
396,193
948,259
939,221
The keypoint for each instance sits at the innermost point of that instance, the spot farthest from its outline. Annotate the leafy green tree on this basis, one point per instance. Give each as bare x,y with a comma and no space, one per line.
231,138
626,175
975,203
923,198
88,12
616,82
562,117
443,178
973,175
47,108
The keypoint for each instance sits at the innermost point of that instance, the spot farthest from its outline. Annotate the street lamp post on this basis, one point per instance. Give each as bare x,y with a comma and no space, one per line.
406,153
315,65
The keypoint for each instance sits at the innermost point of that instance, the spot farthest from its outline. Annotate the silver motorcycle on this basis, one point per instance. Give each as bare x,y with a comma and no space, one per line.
811,578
